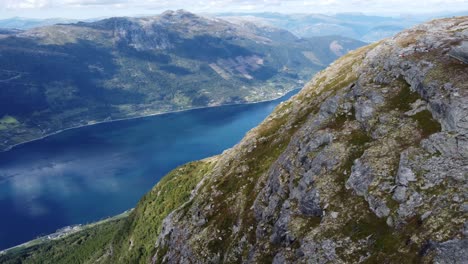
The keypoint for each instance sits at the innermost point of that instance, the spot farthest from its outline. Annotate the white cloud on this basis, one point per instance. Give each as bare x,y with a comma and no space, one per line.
23,4
37,4
288,6
32,185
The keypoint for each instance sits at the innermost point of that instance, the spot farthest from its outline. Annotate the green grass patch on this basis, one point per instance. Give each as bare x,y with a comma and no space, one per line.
447,71
342,79
386,244
83,247
404,98
144,224
338,121
427,123
309,223
358,141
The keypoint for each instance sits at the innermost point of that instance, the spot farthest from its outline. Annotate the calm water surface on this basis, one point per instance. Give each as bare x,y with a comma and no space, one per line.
86,174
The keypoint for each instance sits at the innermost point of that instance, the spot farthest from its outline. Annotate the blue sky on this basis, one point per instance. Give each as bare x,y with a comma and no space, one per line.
102,8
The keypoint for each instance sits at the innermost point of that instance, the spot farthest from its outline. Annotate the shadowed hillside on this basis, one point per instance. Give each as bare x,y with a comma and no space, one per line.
67,75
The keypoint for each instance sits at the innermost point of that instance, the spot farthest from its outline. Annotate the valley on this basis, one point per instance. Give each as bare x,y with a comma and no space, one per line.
70,75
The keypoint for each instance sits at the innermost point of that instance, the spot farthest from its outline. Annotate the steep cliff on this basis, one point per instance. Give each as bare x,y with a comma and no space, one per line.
368,163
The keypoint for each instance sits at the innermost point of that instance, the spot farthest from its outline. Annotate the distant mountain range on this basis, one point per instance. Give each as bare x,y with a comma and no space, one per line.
366,28
28,23
358,26
67,75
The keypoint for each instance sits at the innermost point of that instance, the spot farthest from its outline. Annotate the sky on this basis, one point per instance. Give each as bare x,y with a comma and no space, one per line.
82,9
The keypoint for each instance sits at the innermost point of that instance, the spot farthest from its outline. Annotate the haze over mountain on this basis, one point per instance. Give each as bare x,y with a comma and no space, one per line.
368,163
28,23
365,27
368,28
85,9
69,75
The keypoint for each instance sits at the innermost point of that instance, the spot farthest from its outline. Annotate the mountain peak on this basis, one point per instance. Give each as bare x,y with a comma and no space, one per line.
179,14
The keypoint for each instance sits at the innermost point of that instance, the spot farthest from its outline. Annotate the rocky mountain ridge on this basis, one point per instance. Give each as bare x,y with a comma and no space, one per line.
367,164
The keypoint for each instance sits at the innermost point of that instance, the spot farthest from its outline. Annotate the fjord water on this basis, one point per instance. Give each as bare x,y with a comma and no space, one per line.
89,173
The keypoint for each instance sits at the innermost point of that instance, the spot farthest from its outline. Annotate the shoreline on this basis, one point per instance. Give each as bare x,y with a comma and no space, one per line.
81,227
65,232
144,116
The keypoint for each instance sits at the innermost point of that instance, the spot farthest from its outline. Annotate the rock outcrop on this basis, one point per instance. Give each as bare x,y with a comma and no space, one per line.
367,163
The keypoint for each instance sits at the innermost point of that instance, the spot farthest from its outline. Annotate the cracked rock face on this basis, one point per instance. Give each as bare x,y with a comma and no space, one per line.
368,163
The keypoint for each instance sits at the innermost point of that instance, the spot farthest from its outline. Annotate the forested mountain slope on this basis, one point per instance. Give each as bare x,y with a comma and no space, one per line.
68,75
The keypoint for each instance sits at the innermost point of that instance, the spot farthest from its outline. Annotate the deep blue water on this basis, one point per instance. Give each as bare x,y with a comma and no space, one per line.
85,174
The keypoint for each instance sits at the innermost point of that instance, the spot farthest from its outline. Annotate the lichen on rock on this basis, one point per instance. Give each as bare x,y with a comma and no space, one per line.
367,163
